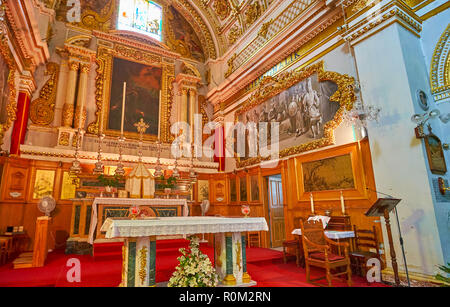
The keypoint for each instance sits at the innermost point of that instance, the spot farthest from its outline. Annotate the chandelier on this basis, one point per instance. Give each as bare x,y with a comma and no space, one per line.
362,114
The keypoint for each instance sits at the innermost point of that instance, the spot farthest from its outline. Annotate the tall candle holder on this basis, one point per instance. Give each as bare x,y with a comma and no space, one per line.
176,171
76,168
120,171
192,174
99,167
158,168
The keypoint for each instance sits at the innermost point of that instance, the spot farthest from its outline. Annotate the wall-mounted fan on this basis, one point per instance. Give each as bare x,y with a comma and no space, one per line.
46,205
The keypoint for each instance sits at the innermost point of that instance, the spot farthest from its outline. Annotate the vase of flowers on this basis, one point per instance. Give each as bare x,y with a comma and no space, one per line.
245,209
195,268
110,184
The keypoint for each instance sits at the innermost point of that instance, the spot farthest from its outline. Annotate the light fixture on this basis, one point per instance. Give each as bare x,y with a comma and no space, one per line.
362,114
421,119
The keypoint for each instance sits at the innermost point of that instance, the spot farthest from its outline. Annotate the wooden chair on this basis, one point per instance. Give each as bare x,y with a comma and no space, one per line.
317,251
295,244
366,247
254,239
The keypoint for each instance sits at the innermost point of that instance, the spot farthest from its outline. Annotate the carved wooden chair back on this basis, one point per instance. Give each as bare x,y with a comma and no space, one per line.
366,239
314,232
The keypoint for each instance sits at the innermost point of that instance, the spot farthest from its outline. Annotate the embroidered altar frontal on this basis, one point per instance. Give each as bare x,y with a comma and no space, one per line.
139,252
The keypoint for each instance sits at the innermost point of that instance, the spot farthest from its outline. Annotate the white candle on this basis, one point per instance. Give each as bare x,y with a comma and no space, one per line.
123,106
159,126
342,203
312,203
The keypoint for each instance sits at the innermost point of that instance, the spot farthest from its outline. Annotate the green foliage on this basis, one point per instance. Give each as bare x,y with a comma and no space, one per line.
446,278
169,183
113,182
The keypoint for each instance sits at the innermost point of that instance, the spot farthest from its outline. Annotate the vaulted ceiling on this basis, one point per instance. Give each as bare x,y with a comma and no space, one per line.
217,23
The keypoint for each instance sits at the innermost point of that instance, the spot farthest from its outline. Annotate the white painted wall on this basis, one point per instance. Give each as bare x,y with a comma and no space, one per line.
390,70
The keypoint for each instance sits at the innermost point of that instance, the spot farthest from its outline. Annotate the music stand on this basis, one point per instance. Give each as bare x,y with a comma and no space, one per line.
382,208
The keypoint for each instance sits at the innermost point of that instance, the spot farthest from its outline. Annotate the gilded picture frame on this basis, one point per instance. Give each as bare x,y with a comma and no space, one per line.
272,86
105,60
435,154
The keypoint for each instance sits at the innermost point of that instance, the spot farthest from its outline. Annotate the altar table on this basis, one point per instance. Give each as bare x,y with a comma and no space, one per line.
139,252
132,202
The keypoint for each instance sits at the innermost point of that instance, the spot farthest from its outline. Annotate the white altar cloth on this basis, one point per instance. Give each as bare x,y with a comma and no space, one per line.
120,228
131,202
334,235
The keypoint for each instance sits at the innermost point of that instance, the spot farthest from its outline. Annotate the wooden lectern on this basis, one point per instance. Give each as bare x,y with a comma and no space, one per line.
382,208
36,259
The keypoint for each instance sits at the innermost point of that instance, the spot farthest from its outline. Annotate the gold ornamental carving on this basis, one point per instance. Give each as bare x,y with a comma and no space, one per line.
272,86
222,8
11,107
143,264
68,113
64,139
234,34
252,13
42,110
440,67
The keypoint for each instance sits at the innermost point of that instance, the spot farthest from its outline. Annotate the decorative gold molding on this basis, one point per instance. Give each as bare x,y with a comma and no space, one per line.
272,86
42,110
440,67
11,107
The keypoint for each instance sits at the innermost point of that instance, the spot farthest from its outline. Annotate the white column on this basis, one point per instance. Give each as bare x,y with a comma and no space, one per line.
68,111
399,160
81,100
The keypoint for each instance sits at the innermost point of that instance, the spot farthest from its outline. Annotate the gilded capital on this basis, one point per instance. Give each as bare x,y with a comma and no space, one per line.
85,68
74,66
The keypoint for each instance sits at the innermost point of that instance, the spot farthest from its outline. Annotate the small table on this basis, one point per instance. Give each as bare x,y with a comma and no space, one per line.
333,235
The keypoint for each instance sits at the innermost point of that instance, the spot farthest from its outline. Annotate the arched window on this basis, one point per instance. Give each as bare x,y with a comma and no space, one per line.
141,16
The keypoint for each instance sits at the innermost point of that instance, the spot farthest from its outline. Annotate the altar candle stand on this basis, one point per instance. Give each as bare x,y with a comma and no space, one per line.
343,204
312,204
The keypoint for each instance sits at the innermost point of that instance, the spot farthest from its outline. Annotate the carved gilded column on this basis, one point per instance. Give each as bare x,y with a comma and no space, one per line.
82,93
68,110
61,91
192,109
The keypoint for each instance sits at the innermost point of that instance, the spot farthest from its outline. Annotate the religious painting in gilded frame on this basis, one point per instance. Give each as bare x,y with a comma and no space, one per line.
308,104
331,174
43,183
148,93
435,153
203,190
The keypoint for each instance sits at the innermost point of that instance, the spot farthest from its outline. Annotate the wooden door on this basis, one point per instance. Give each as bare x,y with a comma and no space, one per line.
276,212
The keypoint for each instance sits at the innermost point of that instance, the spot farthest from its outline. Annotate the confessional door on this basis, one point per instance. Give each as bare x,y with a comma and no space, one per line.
276,211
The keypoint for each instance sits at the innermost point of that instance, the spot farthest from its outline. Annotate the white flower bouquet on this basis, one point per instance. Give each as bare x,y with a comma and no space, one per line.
195,269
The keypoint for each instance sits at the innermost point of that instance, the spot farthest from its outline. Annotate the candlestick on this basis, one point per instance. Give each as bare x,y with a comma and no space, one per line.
342,203
312,204
123,107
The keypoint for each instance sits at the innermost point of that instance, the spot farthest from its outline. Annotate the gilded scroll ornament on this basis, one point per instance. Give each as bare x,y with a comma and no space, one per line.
252,13
143,264
234,34
11,107
440,67
67,117
64,139
42,110
222,8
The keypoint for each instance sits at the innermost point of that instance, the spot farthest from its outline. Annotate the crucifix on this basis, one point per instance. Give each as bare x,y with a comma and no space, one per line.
141,128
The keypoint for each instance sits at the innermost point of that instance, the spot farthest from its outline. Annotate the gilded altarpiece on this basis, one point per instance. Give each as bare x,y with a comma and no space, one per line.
104,81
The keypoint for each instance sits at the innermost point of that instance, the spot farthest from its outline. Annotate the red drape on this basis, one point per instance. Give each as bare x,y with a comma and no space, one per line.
20,125
219,155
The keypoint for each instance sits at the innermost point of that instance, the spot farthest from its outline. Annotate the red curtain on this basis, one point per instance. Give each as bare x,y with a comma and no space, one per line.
20,125
219,155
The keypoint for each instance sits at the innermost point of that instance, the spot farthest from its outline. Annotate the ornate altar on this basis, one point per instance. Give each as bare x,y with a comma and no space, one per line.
87,214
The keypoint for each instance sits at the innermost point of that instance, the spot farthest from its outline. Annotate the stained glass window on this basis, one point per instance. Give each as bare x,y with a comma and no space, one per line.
141,16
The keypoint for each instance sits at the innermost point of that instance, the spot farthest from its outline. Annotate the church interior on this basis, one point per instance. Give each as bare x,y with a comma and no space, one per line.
224,143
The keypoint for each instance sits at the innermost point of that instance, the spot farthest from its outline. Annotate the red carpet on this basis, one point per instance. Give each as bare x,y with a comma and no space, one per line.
264,265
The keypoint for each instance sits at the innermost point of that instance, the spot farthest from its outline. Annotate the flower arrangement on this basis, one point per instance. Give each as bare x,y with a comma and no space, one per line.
195,269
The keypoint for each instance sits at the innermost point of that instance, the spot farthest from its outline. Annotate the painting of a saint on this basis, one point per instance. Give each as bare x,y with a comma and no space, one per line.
142,96
185,40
